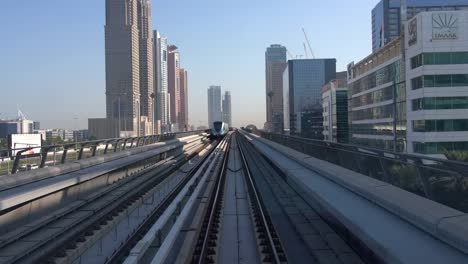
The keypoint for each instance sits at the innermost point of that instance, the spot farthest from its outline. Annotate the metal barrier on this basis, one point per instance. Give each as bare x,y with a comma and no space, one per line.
443,181
60,154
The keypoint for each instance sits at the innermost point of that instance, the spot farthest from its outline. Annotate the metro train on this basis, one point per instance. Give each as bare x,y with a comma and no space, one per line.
220,129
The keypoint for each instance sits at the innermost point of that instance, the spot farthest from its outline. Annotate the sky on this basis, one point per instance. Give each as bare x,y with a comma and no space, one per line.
52,51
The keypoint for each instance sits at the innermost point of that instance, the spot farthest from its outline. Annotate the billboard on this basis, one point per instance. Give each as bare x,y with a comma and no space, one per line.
17,142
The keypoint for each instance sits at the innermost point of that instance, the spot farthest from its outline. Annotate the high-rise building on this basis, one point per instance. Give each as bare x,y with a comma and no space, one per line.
386,16
227,113
275,63
214,105
183,115
335,110
303,80
123,65
161,80
173,73
146,67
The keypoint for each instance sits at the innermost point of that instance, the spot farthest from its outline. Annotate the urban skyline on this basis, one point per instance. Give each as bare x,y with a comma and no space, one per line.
211,123
88,58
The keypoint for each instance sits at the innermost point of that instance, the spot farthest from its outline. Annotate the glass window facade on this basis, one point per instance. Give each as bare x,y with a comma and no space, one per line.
377,78
365,126
445,80
440,103
439,58
305,81
444,125
439,147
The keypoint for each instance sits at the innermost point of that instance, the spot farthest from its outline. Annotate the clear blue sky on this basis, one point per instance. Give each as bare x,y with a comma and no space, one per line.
52,51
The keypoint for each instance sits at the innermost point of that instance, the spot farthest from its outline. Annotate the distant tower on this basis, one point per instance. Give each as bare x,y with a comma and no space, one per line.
214,105
227,114
123,64
173,73
183,115
275,64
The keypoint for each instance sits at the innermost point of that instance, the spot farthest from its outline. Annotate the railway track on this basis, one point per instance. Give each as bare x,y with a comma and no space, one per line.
73,230
268,246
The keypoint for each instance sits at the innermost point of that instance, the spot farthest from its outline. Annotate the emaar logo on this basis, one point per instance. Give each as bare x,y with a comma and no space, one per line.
444,26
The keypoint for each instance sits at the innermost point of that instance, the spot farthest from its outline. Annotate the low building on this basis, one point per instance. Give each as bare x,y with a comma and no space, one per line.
412,95
377,99
335,111
437,82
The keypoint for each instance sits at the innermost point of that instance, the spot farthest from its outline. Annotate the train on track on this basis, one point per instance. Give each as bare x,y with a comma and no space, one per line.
219,130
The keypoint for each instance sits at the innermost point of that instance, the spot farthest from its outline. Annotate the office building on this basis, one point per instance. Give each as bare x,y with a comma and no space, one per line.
335,110
437,82
173,73
8,127
275,63
377,99
146,67
214,105
303,80
123,64
227,109
386,16
80,135
183,115
161,81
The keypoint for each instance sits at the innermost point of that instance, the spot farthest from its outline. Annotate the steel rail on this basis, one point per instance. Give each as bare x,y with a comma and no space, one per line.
214,202
256,198
128,197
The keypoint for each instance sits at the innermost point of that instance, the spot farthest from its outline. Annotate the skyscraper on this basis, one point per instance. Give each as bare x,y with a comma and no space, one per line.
123,65
275,63
227,114
173,72
214,105
146,66
183,115
386,19
303,82
160,80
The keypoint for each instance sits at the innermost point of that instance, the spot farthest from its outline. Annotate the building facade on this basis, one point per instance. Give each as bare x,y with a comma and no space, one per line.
227,108
437,82
123,64
386,16
303,80
275,63
146,67
161,78
214,105
335,111
377,99
173,73
183,114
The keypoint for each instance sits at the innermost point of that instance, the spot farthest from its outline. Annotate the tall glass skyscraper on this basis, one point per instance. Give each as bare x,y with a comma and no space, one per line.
227,110
386,24
275,63
302,95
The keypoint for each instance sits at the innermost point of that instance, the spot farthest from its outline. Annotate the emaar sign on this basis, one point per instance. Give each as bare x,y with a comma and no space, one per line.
444,26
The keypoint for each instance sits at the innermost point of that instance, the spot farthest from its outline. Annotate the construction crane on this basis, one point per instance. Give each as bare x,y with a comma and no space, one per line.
305,51
308,44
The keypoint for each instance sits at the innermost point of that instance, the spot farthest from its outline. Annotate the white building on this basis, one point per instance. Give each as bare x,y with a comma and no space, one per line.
437,82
